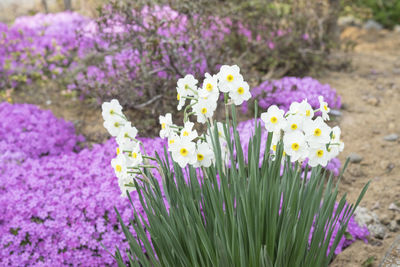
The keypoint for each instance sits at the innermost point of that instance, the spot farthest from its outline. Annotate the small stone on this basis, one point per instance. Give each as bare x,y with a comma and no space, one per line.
356,171
349,21
355,158
373,101
393,226
393,206
376,206
48,102
335,112
390,167
391,137
396,71
387,218
345,106
391,126
372,25
377,230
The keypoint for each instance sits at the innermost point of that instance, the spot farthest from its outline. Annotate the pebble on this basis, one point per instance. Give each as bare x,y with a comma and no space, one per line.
393,226
391,137
393,206
355,158
373,101
364,217
372,25
335,112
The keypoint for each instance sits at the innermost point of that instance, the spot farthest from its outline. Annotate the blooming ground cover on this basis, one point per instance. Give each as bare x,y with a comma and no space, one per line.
57,204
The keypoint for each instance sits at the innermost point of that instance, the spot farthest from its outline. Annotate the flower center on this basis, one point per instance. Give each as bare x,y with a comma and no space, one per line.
274,119
320,153
317,132
116,124
333,136
203,110
118,168
293,126
184,152
186,87
274,147
112,111
162,125
126,135
185,133
118,151
326,107
178,97
308,113
209,87
134,155
171,141
295,146
200,157
229,78
240,90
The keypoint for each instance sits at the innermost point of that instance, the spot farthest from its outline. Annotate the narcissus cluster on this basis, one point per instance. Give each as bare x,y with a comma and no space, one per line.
304,137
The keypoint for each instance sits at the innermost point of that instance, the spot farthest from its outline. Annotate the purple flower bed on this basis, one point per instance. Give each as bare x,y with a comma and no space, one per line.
56,206
39,47
287,90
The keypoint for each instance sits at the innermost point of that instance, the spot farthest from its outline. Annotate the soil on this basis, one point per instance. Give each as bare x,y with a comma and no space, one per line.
370,90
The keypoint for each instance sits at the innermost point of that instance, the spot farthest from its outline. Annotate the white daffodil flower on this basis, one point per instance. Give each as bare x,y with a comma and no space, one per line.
276,136
294,123
204,109
127,133
273,119
172,138
134,156
125,183
187,86
166,123
303,108
188,132
114,125
295,146
240,93
183,152
336,145
323,107
205,155
318,155
210,89
111,109
317,132
228,78
119,165
182,101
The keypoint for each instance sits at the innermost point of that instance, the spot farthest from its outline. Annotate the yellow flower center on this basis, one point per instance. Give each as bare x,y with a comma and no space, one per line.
186,87
203,110
178,97
229,78
333,136
209,87
118,151
171,141
200,157
126,135
326,107
116,124
274,147
274,119
295,146
112,111
185,133
118,168
134,155
293,126
184,152
308,113
162,125
317,132
320,153
240,90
